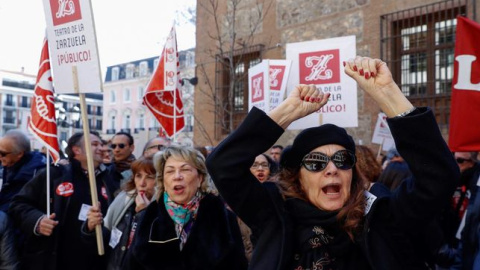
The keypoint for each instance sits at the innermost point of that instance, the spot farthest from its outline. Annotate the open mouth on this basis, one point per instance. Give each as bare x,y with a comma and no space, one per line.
331,189
178,188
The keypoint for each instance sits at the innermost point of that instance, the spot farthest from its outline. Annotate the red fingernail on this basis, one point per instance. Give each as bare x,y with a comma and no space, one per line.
367,75
361,72
355,68
372,74
307,99
302,98
344,63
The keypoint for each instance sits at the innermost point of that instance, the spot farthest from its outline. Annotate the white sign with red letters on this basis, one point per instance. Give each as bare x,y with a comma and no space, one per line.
72,42
320,62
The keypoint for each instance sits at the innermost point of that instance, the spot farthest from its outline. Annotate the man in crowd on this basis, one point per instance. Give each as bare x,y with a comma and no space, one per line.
276,152
123,147
154,145
54,241
468,254
19,164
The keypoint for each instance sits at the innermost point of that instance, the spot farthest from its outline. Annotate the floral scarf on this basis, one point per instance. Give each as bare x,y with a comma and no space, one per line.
183,215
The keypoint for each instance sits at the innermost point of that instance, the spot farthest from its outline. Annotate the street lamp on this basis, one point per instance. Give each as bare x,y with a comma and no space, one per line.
192,81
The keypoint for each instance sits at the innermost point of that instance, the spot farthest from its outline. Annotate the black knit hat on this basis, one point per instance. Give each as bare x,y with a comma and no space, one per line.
311,138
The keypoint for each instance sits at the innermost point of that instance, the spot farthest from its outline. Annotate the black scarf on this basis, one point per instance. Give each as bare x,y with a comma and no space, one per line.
124,165
320,241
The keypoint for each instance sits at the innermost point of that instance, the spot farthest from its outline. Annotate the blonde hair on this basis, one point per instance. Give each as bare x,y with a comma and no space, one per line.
190,155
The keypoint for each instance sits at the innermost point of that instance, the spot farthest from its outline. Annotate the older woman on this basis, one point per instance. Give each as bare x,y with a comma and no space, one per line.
186,227
122,215
319,216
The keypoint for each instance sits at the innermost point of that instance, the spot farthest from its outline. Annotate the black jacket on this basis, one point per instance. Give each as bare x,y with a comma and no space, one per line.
8,251
214,241
15,177
41,252
392,226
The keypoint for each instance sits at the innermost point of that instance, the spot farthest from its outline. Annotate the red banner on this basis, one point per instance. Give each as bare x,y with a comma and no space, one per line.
465,106
162,96
42,123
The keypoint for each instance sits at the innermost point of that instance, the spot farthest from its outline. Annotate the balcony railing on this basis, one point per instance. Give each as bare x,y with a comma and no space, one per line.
111,131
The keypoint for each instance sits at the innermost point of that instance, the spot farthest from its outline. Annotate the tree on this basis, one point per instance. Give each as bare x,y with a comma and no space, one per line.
233,27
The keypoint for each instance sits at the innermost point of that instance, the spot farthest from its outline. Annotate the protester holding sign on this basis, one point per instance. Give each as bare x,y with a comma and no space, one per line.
318,214
122,215
55,242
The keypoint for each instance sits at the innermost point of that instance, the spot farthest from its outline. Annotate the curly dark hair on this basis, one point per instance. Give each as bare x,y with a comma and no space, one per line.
351,215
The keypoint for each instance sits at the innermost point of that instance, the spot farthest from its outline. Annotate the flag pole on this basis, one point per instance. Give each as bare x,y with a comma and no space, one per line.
48,183
88,152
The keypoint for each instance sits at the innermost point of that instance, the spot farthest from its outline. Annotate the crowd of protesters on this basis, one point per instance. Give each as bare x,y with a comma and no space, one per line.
320,203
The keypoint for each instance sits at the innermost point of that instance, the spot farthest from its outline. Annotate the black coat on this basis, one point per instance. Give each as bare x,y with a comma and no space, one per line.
392,226
40,252
214,241
15,177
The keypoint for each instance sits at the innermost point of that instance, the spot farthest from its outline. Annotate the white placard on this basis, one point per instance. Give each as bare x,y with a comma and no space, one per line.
258,82
382,134
279,71
72,42
320,62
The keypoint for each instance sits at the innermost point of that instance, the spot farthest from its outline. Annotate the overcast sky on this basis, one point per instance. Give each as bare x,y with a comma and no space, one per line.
126,30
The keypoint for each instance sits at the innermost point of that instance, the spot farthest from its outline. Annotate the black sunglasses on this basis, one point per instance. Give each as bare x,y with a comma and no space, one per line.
160,147
4,154
114,145
318,161
461,160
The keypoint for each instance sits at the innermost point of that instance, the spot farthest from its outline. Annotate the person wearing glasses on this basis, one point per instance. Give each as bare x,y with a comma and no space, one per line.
122,146
318,215
19,164
154,145
122,215
465,252
186,226
263,167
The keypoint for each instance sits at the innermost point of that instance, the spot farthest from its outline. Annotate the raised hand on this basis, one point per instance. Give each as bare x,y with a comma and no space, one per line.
374,77
302,101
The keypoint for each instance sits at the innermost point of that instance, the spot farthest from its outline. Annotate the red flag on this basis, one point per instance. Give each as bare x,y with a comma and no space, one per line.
42,123
465,106
162,96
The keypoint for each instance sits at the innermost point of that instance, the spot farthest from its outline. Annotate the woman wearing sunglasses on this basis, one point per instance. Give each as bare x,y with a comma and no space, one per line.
185,226
318,215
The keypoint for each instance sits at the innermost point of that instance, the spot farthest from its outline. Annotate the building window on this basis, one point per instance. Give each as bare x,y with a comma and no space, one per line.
127,121
25,102
115,73
98,124
9,100
143,69
237,106
112,96
418,46
141,121
130,71
112,122
141,92
126,95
